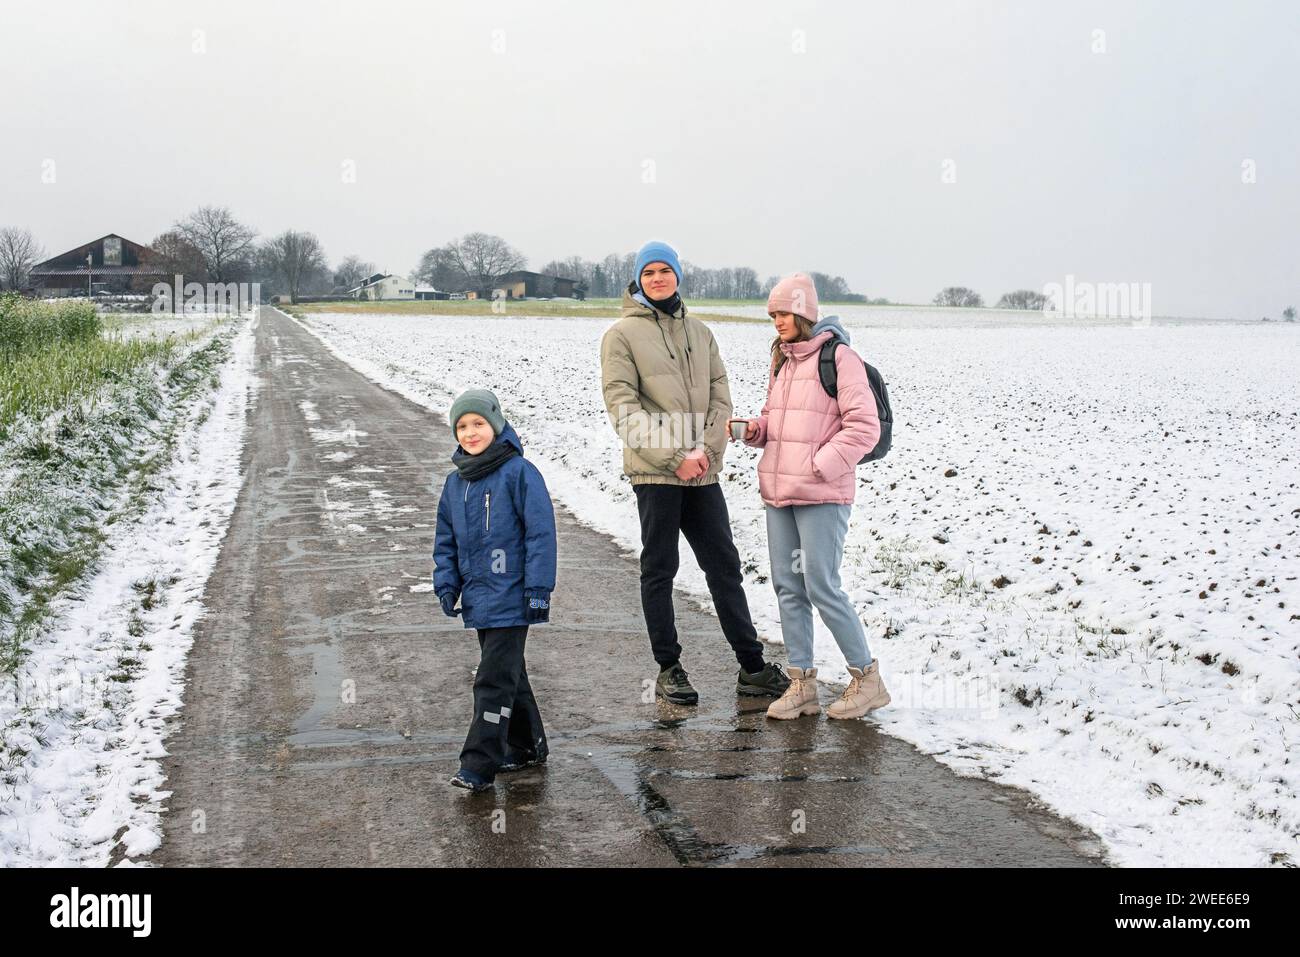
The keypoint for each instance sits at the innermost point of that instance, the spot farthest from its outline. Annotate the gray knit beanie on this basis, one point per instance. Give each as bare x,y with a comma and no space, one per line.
481,401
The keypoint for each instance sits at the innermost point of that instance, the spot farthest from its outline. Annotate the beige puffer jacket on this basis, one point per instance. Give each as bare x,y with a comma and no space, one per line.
665,390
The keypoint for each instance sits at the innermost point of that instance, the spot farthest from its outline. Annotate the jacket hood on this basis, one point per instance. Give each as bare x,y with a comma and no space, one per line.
508,434
823,331
831,324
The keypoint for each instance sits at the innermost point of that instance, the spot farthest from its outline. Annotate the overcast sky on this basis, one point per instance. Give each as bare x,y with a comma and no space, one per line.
780,136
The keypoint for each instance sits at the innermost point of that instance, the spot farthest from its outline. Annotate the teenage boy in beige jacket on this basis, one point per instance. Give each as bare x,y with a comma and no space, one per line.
666,393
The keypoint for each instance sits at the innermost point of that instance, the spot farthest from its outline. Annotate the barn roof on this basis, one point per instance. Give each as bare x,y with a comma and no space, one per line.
86,247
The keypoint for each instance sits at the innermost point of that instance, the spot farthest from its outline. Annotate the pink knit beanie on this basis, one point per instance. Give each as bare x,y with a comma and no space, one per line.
795,294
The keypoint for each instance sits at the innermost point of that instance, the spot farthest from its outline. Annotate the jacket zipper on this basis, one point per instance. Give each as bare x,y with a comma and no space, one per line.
690,373
465,499
487,511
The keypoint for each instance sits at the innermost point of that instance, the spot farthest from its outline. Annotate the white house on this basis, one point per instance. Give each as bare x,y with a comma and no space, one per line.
384,286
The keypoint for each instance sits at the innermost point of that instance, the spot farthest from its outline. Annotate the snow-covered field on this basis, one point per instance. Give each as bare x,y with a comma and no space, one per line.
1077,565
82,720
130,326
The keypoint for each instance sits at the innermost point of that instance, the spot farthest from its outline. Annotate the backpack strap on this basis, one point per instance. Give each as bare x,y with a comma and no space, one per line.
826,367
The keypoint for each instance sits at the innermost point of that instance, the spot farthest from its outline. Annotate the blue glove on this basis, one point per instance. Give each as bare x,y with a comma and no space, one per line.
448,599
537,607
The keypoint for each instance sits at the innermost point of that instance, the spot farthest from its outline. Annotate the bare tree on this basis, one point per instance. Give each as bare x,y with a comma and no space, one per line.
225,243
440,270
263,270
575,267
618,272
1023,299
742,282
484,259
830,288
172,254
19,252
351,271
298,258
586,275
746,283
959,296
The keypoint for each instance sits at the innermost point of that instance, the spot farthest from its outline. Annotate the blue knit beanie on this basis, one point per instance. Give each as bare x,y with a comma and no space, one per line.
656,252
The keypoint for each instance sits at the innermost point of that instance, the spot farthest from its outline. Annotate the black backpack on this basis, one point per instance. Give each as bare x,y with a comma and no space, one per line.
826,371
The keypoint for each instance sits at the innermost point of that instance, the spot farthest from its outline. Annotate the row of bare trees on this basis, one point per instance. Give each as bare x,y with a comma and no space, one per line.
477,261
211,244
611,275
969,298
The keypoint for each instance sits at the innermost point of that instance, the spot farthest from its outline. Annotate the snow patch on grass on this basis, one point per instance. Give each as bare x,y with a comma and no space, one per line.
84,712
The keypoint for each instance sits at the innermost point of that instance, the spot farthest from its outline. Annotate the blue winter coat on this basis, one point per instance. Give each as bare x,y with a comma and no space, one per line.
495,540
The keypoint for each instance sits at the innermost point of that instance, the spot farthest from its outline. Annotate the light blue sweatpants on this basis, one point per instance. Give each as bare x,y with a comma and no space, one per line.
805,544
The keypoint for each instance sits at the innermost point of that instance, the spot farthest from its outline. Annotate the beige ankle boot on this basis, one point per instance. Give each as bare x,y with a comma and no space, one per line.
800,698
866,692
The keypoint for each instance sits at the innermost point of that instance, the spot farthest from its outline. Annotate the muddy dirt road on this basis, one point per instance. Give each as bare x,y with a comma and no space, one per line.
328,698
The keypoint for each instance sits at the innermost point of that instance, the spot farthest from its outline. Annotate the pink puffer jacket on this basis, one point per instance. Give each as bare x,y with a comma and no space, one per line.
812,443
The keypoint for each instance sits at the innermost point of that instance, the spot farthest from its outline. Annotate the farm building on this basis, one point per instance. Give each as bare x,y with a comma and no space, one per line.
528,285
108,264
384,286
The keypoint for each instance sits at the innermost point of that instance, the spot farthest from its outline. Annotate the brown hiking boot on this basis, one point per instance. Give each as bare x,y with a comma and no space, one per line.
866,692
800,698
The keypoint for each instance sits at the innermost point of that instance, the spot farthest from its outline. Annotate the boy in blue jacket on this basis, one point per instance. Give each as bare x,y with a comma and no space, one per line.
495,550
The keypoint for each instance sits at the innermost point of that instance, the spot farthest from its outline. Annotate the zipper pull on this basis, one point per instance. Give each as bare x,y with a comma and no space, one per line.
487,512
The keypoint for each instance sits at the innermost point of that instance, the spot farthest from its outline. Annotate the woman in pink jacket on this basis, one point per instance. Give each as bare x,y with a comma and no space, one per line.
807,477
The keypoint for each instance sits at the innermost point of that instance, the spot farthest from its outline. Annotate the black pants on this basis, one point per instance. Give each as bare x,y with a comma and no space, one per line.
700,513
506,718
